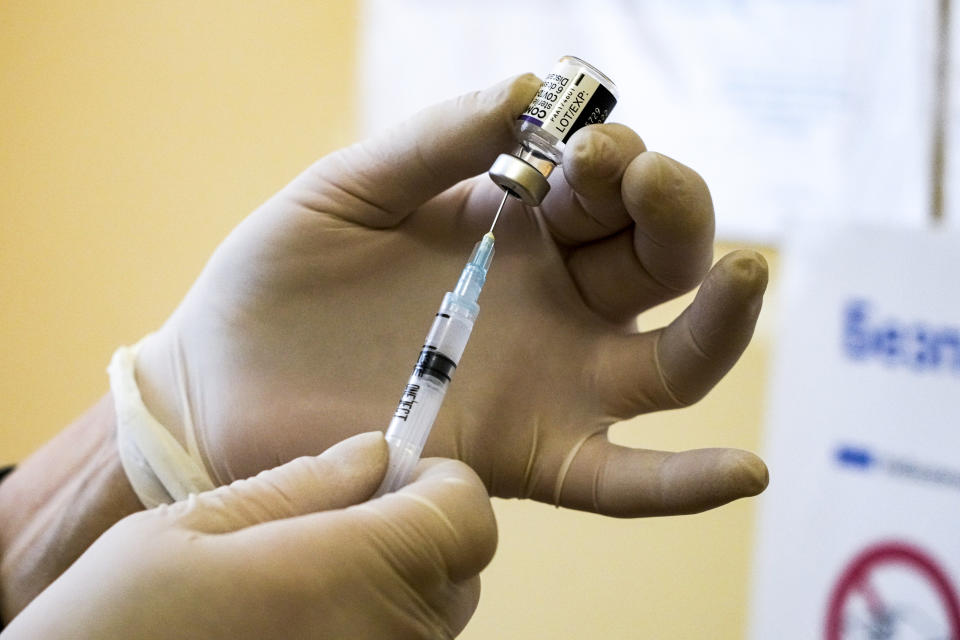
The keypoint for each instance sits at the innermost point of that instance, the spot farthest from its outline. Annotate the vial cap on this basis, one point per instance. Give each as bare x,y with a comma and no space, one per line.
520,178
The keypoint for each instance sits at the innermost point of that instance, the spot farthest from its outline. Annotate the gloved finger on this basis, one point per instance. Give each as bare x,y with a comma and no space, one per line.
347,473
442,519
667,252
437,530
585,201
628,483
378,182
677,365
458,603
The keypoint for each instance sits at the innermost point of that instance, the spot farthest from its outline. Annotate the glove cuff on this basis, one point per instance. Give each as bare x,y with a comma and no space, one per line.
159,469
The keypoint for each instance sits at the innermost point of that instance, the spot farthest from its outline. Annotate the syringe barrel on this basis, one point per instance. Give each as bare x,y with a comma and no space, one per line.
423,395
410,427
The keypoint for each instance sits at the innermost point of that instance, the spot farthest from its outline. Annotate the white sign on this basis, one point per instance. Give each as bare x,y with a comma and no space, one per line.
859,532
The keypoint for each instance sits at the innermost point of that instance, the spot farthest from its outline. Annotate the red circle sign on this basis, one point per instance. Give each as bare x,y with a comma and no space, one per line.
866,599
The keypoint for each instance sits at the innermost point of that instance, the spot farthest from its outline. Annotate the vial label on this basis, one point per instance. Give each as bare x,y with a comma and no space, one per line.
568,100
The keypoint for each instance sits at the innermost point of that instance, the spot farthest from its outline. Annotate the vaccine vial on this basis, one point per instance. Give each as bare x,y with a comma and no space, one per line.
573,95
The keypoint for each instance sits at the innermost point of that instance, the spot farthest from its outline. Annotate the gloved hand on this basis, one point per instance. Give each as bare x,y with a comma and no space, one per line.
285,555
310,315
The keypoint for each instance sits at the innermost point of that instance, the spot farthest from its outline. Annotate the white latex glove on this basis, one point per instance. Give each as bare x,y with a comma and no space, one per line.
292,553
310,316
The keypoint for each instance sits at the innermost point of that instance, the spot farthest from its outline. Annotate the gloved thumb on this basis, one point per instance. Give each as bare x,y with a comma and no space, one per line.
389,176
345,474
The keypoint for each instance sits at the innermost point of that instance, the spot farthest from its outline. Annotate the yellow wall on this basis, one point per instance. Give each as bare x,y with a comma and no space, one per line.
134,135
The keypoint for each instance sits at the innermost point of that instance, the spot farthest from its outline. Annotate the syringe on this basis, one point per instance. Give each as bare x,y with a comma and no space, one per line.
423,395
574,95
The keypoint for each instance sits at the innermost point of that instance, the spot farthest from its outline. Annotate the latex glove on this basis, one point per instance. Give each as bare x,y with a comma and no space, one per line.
309,317
285,555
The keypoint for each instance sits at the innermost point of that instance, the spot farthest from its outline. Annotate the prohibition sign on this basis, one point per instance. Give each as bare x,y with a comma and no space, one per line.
860,587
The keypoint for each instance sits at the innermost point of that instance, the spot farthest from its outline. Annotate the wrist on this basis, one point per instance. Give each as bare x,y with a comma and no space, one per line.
156,374
160,468
57,502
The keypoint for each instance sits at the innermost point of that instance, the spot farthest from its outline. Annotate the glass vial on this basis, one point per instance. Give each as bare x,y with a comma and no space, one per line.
573,95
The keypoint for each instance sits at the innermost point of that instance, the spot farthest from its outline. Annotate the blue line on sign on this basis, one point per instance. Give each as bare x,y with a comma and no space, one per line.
855,457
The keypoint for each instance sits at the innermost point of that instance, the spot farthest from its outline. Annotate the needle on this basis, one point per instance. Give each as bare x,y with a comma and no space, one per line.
499,209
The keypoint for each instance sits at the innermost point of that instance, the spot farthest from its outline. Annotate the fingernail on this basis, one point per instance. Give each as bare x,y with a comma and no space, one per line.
359,441
514,93
747,270
670,169
595,153
751,474
368,439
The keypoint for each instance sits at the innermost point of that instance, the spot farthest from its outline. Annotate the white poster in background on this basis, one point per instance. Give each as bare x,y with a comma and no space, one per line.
859,531
789,108
951,181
